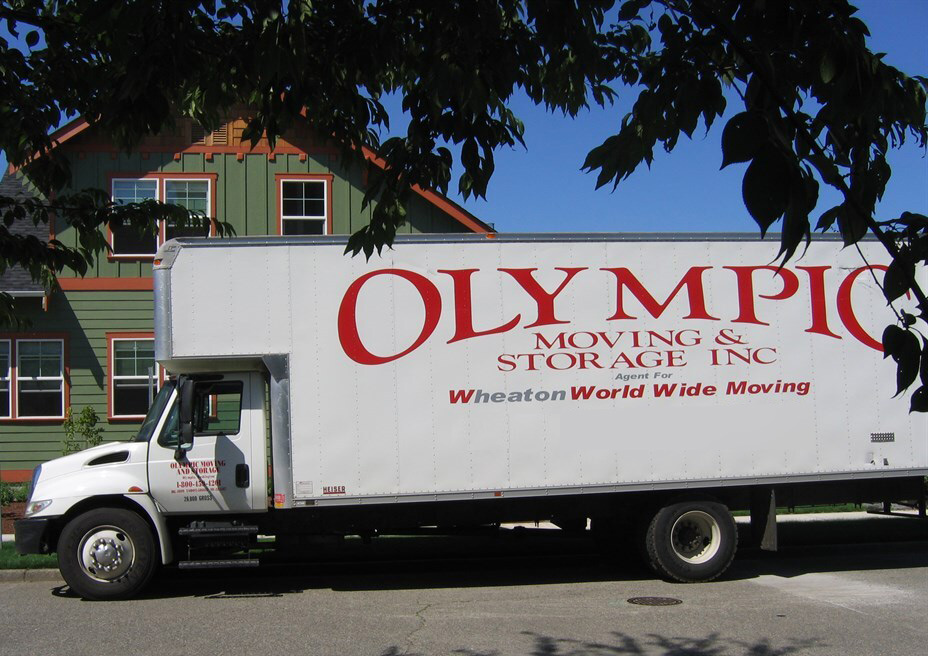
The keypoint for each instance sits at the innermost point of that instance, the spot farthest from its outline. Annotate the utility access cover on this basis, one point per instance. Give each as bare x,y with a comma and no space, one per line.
654,601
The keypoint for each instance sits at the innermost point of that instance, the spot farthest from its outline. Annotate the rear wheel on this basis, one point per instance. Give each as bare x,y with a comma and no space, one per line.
107,553
691,541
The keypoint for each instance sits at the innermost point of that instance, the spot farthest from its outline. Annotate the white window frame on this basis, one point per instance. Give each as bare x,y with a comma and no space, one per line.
162,233
326,202
7,376
113,377
158,239
20,378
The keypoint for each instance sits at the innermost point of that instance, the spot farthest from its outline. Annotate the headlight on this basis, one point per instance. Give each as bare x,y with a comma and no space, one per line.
34,507
35,480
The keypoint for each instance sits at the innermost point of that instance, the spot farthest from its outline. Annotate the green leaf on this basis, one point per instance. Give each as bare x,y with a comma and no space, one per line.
897,279
828,218
923,371
892,340
32,38
630,9
907,358
827,67
743,136
765,187
919,401
851,225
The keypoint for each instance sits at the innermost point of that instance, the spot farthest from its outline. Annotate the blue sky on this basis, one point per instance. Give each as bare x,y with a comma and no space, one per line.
541,188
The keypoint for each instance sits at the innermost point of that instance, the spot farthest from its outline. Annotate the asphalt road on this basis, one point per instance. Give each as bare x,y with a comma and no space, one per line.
832,589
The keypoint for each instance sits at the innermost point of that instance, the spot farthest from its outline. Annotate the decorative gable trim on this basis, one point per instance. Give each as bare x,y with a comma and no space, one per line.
211,144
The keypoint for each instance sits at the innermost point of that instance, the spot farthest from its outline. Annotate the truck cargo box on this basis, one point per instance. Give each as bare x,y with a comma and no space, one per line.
468,367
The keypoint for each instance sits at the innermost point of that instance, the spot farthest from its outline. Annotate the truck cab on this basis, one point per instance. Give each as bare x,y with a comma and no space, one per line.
111,511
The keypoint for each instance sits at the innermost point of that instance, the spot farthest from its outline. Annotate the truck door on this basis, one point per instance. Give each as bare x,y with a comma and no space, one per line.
225,470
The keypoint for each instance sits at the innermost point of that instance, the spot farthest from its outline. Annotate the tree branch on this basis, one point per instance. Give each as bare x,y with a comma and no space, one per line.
800,126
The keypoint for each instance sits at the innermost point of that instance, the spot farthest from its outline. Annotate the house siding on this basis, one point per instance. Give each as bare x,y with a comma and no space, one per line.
85,317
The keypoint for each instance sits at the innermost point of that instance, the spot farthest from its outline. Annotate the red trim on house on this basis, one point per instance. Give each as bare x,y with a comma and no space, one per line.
14,338
328,178
110,337
15,475
443,203
106,284
69,130
454,210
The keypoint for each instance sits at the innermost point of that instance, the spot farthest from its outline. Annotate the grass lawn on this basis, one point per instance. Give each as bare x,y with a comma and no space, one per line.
9,559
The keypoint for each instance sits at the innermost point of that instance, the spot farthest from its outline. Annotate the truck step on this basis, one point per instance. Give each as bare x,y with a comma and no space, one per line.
216,531
218,564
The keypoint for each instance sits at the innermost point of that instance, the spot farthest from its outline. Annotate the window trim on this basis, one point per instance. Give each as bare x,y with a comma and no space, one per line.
210,187
113,255
162,178
14,339
111,369
327,178
8,375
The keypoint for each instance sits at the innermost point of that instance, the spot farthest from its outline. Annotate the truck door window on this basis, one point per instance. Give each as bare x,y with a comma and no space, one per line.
217,410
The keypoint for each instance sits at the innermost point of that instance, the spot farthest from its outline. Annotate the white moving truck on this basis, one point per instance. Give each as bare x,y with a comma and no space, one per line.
653,382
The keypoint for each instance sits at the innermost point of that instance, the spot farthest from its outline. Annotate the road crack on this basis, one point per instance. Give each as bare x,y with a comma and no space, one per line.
420,616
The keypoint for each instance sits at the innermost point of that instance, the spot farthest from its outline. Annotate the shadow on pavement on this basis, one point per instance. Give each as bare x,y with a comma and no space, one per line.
651,645
544,557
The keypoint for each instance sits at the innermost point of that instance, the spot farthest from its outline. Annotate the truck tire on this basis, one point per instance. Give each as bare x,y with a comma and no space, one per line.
691,541
107,553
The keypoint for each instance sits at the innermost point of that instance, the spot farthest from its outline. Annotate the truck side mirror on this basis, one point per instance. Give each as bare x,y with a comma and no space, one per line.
185,417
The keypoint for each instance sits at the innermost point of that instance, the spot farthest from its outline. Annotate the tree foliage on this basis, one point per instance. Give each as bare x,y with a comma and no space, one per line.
815,105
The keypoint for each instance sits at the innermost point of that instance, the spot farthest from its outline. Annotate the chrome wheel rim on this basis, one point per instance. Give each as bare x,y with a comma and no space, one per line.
106,553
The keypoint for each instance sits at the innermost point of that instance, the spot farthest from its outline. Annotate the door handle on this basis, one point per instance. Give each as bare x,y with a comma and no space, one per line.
242,478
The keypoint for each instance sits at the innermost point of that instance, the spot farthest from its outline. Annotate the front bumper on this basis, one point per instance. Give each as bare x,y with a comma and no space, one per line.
32,535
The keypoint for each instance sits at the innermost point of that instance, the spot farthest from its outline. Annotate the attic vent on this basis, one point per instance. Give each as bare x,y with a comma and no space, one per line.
220,136
197,133
109,459
882,437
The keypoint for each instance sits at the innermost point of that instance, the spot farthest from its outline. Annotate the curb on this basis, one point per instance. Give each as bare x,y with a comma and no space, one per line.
30,576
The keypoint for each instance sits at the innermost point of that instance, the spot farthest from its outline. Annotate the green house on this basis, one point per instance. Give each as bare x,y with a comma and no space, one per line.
91,344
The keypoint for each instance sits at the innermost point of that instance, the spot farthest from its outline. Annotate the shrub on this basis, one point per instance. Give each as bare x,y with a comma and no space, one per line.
13,492
81,433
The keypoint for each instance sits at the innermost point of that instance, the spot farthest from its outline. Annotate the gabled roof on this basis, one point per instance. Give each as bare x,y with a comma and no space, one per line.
16,281
79,125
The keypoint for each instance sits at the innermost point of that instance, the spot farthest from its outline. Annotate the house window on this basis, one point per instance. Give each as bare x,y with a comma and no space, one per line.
126,239
193,191
5,370
40,378
304,206
134,376
192,194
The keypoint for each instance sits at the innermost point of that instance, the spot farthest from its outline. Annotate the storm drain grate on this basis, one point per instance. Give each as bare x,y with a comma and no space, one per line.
655,601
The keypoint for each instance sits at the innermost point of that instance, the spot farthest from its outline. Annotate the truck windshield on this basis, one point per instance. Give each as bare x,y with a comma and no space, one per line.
154,413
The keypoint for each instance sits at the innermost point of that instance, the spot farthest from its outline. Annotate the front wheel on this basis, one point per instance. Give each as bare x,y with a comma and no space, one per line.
691,541
107,553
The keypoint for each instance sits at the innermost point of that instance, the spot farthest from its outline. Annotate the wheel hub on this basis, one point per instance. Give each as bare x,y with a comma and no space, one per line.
106,553
695,537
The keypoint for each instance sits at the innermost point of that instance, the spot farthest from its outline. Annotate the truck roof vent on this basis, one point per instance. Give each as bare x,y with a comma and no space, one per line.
882,437
109,459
